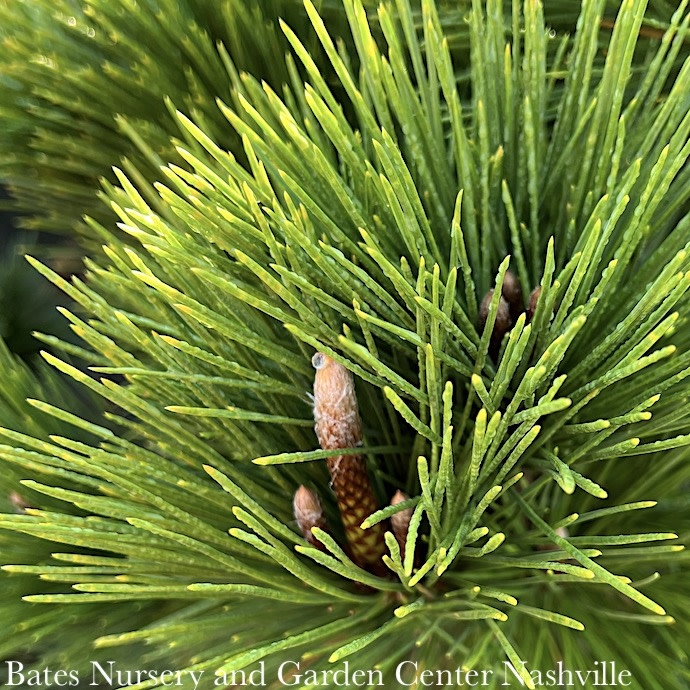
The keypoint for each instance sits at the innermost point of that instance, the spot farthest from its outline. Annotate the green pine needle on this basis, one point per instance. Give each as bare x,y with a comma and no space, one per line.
361,202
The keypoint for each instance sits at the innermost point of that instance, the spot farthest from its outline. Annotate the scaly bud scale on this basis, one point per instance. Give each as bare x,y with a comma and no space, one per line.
338,425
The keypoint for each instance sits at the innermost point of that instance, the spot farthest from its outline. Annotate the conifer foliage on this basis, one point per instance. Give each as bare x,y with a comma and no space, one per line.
495,245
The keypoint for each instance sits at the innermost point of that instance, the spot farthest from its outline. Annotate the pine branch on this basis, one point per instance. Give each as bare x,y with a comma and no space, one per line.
381,217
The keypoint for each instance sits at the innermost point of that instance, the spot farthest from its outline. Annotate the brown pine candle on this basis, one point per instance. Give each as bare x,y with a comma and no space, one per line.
308,513
338,425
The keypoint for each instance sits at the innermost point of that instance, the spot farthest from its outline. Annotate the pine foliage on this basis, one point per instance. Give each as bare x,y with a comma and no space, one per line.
370,200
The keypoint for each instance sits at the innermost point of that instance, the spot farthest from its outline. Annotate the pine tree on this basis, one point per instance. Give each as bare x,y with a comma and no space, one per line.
474,221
